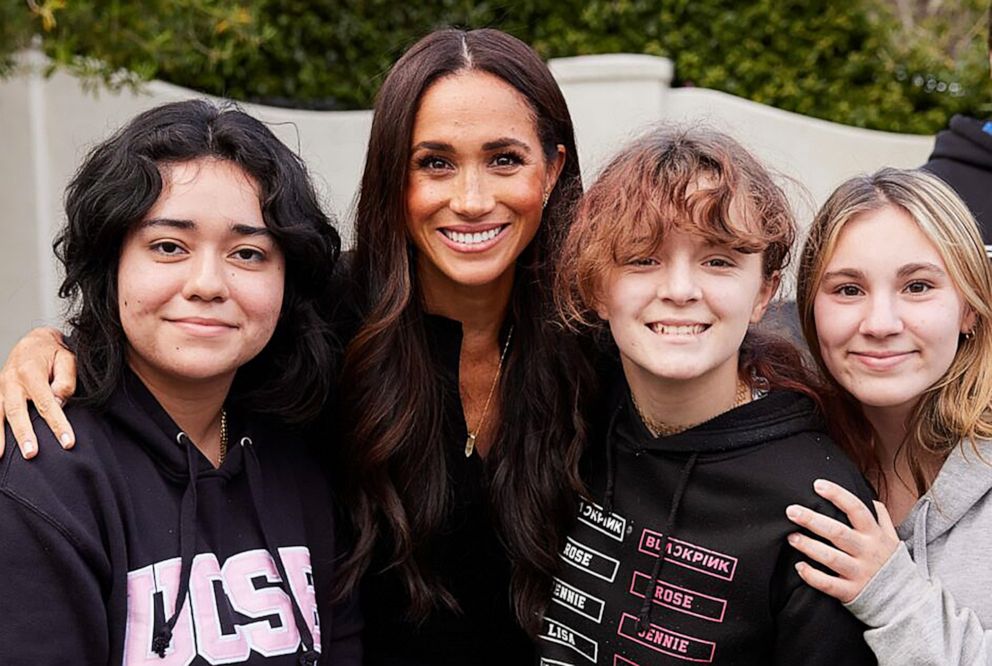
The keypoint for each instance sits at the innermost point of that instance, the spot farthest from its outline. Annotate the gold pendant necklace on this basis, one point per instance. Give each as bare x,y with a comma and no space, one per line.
473,435
223,437
662,429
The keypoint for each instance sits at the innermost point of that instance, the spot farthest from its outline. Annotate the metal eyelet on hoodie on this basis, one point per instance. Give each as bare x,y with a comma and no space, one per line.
246,441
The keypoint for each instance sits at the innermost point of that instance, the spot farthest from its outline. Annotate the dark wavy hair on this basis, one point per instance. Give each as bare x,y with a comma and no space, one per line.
698,181
398,490
117,185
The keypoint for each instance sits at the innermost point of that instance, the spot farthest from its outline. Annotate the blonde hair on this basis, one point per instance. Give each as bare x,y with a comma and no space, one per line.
957,406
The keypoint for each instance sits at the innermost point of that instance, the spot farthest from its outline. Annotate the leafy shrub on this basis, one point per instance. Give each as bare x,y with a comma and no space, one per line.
848,62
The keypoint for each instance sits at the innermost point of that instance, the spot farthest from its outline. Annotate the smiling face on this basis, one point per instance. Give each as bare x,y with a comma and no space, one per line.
888,316
477,181
680,315
200,280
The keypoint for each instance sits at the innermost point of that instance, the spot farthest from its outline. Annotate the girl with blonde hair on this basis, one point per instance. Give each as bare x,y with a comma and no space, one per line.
894,298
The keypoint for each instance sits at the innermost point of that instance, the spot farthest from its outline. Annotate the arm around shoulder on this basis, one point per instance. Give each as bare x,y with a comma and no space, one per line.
42,370
814,628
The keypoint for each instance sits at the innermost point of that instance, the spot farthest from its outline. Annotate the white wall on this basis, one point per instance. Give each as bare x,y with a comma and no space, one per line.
47,125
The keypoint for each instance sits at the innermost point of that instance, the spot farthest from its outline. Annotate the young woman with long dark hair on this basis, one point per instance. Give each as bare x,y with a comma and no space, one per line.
459,392
460,396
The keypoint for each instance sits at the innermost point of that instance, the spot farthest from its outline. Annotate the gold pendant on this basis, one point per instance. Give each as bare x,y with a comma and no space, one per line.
469,445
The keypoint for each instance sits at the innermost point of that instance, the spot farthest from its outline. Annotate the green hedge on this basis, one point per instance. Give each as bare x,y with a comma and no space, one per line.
841,61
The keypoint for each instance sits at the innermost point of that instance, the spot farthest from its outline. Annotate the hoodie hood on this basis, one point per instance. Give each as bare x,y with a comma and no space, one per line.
967,140
135,410
778,415
964,481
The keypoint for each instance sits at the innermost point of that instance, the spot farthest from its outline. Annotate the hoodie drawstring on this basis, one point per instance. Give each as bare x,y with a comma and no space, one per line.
253,468
162,631
920,539
610,464
644,618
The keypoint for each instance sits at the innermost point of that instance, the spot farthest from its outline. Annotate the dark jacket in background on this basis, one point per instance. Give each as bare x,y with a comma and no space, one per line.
962,157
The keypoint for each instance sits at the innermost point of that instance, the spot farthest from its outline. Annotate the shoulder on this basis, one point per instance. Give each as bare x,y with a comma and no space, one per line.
809,453
92,440
63,488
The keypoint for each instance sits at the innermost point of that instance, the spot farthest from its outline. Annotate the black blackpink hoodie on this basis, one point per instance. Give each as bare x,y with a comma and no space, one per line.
100,546
713,500
962,157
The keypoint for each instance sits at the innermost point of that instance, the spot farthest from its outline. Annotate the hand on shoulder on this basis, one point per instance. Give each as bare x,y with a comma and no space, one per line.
42,370
853,552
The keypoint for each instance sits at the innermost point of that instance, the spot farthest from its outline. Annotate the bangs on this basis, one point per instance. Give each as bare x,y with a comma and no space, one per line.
693,181
701,205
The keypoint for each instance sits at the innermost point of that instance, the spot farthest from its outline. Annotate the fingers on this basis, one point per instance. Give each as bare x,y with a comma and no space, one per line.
34,379
16,410
855,510
50,409
836,532
836,560
824,582
64,375
47,402
885,520
39,369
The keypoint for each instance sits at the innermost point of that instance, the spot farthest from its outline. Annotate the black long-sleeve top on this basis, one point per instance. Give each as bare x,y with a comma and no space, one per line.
466,555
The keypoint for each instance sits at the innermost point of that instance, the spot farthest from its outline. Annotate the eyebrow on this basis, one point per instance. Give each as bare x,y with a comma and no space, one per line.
505,142
849,273
502,142
185,225
903,272
925,267
190,225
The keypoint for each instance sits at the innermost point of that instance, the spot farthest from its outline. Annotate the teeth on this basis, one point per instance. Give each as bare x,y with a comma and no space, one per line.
472,239
692,329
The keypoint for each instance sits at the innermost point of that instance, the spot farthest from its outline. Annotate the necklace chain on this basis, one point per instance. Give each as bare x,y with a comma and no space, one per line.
662,429
223,437
474,434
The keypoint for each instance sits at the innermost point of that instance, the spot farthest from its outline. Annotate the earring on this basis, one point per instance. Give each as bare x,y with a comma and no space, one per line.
968,335
544,201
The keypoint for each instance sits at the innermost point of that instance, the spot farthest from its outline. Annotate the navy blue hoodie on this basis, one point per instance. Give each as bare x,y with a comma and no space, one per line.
99,546
680,555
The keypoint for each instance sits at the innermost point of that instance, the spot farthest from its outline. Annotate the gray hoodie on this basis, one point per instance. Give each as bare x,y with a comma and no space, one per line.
931,603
